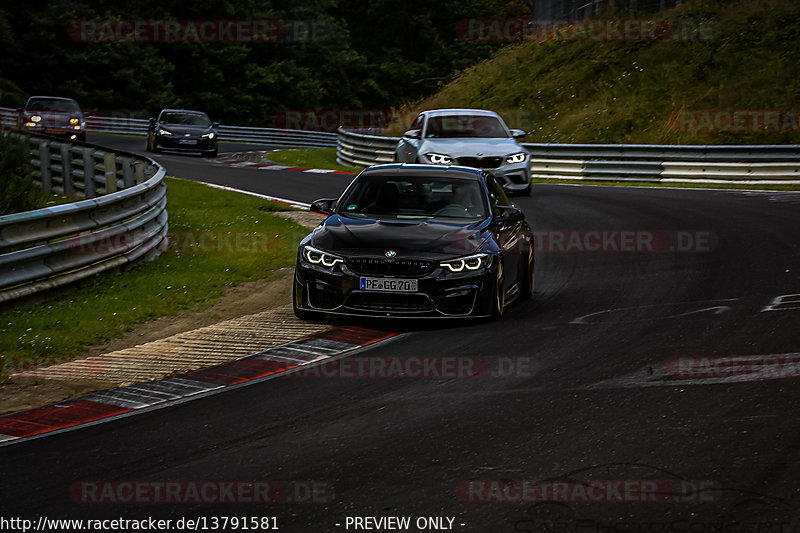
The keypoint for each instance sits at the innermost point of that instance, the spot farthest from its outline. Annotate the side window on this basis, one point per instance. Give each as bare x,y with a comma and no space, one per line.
496,193
417,125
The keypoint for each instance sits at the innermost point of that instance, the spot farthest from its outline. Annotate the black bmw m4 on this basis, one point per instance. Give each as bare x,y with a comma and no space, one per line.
415,241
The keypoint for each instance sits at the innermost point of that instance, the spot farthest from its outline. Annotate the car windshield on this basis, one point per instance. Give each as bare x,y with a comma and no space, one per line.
465,125
415,197
185,119
57,105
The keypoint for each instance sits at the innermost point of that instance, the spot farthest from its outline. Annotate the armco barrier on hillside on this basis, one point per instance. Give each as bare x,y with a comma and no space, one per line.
124,199
723,164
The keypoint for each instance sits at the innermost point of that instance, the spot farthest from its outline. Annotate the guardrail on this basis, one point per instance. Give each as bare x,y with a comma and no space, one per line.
274,137
359,149
724,164
122,218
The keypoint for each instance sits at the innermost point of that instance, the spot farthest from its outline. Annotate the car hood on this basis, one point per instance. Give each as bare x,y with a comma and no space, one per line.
470,147
406,237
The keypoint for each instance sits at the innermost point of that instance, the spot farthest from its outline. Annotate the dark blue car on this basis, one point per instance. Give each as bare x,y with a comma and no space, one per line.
416,241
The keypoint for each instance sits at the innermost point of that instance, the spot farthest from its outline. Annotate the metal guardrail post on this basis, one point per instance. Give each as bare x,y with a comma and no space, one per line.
110,171
138,172
44,165
66,170
127,172
89,188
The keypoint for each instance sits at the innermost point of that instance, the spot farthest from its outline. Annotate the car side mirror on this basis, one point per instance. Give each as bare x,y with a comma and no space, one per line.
413,134
323,206
151,122
508,213
215,124
518,134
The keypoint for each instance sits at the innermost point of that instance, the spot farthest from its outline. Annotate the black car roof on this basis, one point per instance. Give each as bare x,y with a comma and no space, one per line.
406,169
183,111
61,98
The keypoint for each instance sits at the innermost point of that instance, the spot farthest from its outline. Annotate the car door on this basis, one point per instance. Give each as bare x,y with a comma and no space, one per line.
408,147
507,234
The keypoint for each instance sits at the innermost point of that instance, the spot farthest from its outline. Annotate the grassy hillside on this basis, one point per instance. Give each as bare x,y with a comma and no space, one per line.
736,56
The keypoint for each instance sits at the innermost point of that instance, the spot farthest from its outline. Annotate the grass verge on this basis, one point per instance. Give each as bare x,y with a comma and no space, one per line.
218,239
310,158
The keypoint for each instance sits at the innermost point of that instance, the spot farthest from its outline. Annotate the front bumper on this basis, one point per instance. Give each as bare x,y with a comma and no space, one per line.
440,293
67,131
514,177
185,144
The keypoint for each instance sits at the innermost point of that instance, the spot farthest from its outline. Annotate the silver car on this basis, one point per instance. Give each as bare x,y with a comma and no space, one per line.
468,137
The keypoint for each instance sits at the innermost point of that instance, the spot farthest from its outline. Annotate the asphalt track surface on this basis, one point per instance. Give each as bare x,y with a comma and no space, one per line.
297,186
578,391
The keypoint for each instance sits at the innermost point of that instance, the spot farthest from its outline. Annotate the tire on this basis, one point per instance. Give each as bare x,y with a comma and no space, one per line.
528,276
499,295
302,314
212,153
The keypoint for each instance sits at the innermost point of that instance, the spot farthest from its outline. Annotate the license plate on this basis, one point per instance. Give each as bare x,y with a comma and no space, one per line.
187,141
55,130
388,285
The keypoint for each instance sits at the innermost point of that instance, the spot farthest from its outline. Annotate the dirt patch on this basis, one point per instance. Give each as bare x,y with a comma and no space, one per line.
245,299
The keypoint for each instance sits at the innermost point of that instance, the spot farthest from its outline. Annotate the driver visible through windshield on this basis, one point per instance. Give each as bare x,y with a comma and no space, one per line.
417,197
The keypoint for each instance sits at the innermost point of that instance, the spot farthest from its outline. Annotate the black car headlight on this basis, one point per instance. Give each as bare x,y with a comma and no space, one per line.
468,263
209,135
162,131
318,257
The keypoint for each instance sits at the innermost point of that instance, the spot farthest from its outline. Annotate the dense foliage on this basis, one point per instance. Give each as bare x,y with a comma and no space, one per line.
373,55
17,190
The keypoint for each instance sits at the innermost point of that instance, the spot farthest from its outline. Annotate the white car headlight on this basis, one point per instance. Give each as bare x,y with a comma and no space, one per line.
517,158
164,132
471,262
318,257
439,159
209,135
36,118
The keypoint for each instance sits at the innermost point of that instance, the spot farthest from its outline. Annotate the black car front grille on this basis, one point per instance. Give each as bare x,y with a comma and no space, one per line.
480,162
402,268
389,302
